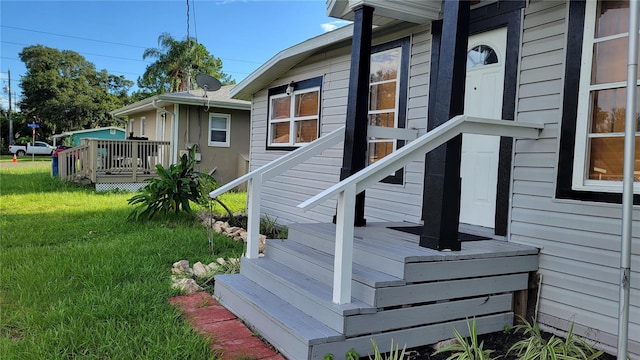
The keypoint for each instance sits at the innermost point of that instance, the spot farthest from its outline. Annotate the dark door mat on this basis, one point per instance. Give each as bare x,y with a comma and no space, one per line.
417,230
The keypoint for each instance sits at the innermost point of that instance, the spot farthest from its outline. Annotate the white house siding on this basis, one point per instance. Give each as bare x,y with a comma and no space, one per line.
384,202
579,241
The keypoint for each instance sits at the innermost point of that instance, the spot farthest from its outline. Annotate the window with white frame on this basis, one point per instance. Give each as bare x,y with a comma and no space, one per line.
143,125
294,114
219,130
384,86
599,144
388,77
131,126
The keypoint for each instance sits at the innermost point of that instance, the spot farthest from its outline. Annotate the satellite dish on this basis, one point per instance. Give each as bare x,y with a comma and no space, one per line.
208,82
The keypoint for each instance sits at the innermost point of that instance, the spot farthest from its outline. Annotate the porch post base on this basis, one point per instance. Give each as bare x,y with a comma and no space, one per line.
437,243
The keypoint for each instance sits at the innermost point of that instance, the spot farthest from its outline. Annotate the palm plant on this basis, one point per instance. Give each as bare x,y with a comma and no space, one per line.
172,191
177,63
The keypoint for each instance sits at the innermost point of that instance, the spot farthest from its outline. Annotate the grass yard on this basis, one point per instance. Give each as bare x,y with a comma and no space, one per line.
39,158
77,280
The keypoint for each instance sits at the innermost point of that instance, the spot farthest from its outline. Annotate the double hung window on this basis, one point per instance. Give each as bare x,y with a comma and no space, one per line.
388,78
294,114
384,83
599,145
219,128
143,125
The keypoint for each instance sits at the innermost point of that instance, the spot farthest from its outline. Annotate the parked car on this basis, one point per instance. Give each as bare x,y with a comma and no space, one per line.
37,148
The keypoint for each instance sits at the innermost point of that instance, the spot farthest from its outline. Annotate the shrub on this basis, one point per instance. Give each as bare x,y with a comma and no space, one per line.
172,191
394,354
536,347
467,350
273,230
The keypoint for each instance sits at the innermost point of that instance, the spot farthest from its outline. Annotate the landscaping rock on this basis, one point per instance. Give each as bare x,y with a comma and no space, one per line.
187,286
199,269
181,268
234,232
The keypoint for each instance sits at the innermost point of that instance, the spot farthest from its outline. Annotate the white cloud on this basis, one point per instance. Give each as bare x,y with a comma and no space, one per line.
330,26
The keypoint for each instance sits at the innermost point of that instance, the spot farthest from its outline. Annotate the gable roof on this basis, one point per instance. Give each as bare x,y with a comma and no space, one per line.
287,59
219,99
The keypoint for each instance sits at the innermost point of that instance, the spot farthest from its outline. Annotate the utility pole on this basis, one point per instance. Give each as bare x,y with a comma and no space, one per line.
10,121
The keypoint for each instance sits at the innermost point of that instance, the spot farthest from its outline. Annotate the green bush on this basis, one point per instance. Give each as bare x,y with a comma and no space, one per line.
467,350
273,230
170,192
394,354
536,347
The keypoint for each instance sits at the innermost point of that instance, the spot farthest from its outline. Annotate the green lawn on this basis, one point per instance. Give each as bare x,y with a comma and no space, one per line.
79,281
39,158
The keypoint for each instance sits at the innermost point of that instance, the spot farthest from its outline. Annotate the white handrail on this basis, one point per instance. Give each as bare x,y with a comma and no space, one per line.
257,177
347,189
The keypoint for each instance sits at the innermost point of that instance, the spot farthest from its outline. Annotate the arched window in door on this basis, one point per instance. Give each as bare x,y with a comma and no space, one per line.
481,55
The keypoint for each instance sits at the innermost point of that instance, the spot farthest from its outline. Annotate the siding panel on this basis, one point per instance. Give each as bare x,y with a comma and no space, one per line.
579,241
284,192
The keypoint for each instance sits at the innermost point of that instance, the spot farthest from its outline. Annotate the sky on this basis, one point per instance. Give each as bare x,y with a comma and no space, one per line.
113,34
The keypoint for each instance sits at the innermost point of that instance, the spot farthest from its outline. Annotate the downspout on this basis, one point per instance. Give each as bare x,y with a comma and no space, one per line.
174,121
627,184
174,133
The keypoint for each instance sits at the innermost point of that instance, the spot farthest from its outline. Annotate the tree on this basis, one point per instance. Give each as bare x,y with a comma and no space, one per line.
62,91
177,62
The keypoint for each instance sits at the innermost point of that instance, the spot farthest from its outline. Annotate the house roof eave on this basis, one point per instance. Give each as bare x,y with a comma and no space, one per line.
219,99
203,101
285,60
142,105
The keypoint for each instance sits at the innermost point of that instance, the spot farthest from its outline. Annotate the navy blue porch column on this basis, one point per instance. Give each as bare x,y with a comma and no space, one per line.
354,157
442,184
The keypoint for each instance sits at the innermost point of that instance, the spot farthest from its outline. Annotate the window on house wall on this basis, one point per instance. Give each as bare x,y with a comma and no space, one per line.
387,98
219,130
131,126
143,124
600,123
294,114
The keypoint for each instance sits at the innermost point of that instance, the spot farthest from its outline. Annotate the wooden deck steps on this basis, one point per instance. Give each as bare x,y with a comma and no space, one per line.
412,295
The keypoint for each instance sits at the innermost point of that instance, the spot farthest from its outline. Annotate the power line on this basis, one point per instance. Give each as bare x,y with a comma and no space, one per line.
85,53
73,37
122,58
111,71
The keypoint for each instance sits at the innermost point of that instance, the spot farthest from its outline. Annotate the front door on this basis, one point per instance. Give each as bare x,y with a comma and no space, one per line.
483,98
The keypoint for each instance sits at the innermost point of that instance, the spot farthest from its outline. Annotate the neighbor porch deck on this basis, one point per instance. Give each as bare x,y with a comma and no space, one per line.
400,291
125,164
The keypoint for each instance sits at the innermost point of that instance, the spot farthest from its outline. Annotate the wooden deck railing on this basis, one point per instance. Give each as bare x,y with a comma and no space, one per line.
130,160
347,189
257,177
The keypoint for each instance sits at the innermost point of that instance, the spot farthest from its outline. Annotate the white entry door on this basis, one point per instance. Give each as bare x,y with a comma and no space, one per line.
483,98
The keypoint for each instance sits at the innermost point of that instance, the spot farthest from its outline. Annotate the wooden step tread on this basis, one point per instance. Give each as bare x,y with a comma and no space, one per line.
312,288
302,326
361,273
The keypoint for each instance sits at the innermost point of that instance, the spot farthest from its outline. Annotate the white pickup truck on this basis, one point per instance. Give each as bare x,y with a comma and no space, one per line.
38,148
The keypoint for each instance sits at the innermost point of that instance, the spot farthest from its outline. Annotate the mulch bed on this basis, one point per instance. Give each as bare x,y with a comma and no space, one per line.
499,342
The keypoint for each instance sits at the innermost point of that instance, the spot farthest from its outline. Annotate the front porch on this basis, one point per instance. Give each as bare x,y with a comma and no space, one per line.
111,164
400,291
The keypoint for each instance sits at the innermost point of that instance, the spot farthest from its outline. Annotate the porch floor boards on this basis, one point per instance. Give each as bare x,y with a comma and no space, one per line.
400,291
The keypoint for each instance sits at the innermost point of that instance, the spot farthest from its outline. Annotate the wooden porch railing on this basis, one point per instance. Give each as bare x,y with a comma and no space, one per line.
268,171
347,189
128,159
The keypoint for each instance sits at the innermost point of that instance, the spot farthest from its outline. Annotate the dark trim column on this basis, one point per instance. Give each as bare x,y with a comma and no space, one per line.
441,199
355,141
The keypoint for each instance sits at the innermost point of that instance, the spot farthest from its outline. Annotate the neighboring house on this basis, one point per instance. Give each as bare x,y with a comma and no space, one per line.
74,138
526,61
216,124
